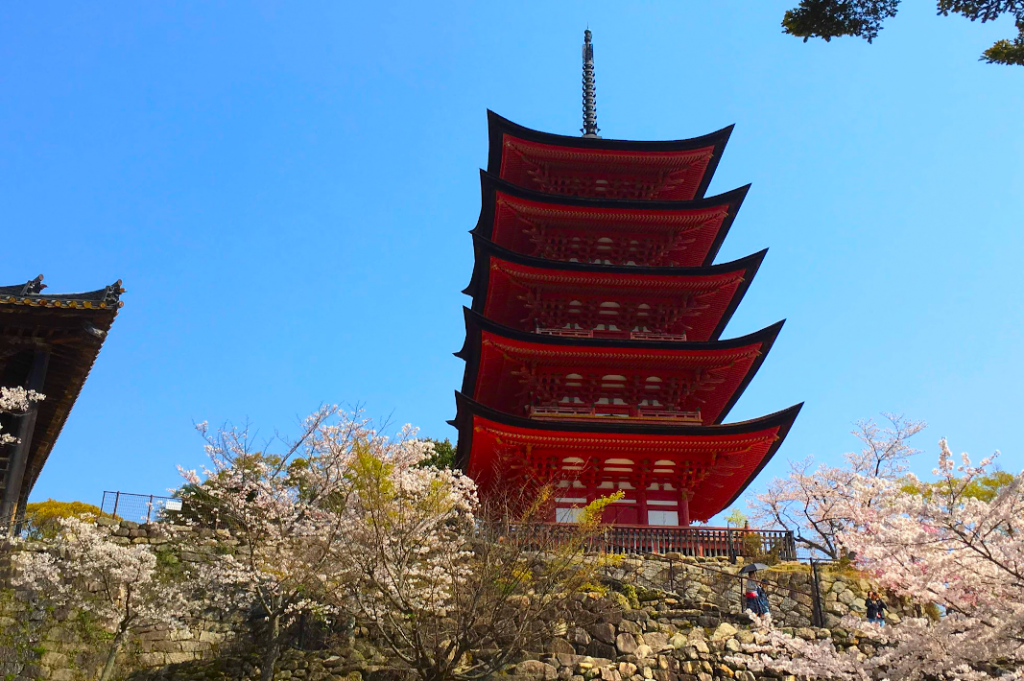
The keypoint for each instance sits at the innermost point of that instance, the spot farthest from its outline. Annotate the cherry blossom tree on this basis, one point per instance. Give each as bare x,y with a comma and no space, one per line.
948,547
814,501
346,522
292,512
457,589
80,569
16,400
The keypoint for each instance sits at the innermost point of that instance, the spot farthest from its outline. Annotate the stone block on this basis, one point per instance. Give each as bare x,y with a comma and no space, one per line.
626,643
628,627
604,632
657,641
536,671
559,645
600,649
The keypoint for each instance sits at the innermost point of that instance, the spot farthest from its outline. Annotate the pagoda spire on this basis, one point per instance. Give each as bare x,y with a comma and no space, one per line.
589,128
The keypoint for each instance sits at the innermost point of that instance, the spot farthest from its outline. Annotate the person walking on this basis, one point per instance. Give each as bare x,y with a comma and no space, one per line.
876,608
756,598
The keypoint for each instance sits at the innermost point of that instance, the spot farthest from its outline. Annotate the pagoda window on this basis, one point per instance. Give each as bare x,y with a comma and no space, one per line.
663,518
653,383
567,515
609,308
574,380
607,484
613,381
572,463
604,244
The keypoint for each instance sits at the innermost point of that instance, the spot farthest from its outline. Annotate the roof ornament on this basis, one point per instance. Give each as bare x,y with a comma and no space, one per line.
589,128
33,286
112,293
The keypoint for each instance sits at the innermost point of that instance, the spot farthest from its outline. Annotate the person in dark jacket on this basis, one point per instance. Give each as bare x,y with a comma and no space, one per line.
756,598
876,608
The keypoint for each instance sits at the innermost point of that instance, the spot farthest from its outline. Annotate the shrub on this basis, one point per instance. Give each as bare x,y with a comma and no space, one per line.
42,519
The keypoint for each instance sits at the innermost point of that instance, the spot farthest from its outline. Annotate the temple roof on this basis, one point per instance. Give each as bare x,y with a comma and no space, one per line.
511,217
724,367
594,166
719,288
715,463
73,327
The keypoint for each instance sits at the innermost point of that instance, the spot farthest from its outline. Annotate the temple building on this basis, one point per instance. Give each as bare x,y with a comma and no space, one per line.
594,357
48,343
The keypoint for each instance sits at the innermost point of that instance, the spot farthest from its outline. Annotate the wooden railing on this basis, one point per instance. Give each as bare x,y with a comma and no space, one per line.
612,411
605,333
708,542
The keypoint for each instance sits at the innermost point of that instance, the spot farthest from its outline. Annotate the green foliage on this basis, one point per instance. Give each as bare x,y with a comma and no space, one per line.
42,519
755,551
443,456
829,19
197,506
984,488
629,591
736,518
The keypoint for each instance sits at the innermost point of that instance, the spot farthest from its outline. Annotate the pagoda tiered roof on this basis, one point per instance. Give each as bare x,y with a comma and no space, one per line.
715,464
654,233
594,358
527,293
677,170
513,370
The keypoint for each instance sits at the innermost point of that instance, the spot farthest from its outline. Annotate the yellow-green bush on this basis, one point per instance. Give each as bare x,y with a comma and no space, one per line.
42,519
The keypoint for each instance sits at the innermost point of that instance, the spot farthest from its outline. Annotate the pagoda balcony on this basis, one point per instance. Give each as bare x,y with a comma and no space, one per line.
709,542
605,412
604,333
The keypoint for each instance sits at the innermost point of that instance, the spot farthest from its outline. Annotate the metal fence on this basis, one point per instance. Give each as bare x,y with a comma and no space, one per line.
138,508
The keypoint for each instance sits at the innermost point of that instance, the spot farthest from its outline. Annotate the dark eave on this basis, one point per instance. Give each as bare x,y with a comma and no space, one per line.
72,326
476,324
468,408
485,249
30,294
491,184
498,127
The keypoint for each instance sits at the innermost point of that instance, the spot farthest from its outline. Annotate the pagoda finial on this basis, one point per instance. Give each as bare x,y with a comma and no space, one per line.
589,128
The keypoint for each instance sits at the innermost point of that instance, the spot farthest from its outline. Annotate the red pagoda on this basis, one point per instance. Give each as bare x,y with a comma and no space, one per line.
593,353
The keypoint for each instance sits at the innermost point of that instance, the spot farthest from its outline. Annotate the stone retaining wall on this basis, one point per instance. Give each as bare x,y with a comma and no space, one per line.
35,644
713,587
666,637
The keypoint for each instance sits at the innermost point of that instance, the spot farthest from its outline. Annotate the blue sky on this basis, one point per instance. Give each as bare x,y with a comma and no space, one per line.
285,189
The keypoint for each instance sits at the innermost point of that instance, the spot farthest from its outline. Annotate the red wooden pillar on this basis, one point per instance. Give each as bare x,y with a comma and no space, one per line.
684,508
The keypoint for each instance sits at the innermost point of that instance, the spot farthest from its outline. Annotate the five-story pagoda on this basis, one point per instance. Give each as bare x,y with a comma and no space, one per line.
593,352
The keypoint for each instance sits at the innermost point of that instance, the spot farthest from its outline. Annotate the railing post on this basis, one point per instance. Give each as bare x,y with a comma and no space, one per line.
671,575
732,547
117,498
149,509
819,619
